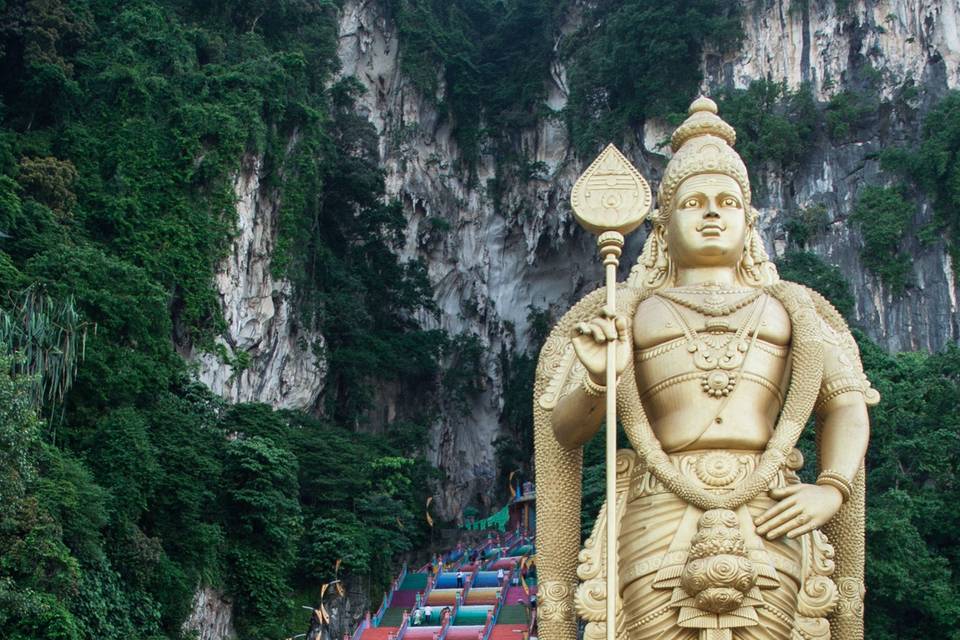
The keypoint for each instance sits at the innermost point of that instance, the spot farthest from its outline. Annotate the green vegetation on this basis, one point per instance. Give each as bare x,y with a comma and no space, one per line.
934,166
913,589
487,65
774,125
807,268
124,485
485,62
635,59
805,224
884,218
123,129
846,110
514,447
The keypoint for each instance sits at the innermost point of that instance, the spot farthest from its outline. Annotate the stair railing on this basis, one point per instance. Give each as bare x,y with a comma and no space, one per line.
363,626
496,614
403,625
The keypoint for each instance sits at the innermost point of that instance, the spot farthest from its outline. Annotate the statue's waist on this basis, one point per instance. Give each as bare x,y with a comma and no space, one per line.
714,470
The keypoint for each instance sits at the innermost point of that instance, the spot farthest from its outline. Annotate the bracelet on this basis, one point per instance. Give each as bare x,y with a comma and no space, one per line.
593,389
836,480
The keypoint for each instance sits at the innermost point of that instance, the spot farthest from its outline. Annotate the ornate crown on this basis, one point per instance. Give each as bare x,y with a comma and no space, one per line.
702,144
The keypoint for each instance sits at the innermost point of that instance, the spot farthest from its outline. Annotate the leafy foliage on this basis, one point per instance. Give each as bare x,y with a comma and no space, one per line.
935,166
484,61
884,217
514,447
809,269
123,131
912,584
774,124
805,224
640,58
845,110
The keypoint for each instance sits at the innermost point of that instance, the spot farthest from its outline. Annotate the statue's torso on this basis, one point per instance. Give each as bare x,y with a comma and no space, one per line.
682,413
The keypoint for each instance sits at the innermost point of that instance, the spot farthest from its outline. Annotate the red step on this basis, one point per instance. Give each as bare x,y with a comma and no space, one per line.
508,632
378,633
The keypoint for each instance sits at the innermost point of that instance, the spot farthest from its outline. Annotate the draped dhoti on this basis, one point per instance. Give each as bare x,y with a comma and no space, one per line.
686,575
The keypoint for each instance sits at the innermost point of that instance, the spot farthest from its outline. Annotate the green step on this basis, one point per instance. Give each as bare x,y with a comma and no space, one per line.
414,581
468,615
392,617
513,614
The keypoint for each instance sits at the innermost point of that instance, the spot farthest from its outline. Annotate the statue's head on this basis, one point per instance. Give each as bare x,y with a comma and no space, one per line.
704,216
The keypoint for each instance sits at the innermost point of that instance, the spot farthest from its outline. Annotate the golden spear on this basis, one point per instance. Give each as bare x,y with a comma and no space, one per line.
611,199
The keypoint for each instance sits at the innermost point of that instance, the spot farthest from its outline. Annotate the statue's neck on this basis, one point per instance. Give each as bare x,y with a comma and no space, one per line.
691,276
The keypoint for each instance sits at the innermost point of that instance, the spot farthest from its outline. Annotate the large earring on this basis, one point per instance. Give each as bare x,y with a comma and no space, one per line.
654,266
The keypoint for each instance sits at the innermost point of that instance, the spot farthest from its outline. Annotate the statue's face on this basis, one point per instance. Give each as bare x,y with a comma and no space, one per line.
708,226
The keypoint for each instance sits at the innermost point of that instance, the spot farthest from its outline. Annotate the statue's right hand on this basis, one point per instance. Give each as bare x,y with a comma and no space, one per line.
590,341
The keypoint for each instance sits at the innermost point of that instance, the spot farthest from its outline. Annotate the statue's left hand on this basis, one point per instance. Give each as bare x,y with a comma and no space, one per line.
801,509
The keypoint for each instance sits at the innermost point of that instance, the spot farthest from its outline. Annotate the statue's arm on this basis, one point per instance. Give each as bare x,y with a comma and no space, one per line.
577,417
844,432
578,414
842,414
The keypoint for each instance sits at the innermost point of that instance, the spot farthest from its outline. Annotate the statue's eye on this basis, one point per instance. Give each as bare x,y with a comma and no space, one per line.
730,202
691,203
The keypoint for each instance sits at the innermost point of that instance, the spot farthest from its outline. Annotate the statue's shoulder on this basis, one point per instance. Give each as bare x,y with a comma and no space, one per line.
794,294
841,348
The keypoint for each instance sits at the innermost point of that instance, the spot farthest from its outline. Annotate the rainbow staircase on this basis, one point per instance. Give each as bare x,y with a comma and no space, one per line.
485,607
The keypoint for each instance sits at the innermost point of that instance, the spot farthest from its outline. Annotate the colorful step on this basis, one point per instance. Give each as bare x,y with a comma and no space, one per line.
472,614
421,633
414,582
513,614
486,579
515,595
509,632
508,562
443,597
483,595
448,580
404,599
378,633
392,617
471,632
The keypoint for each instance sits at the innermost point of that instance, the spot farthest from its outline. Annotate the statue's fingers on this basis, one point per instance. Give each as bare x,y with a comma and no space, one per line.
782,492
598,334
775,520
609,330
623,327
789,525
583,328
802,529
774,510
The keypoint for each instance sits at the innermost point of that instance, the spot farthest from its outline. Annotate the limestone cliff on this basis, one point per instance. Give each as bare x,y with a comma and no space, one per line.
488,269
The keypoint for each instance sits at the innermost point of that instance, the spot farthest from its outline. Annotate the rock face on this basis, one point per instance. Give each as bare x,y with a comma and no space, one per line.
265,355
211,616
490,264
890,44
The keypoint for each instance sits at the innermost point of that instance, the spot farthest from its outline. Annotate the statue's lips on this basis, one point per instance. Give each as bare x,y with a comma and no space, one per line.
711,230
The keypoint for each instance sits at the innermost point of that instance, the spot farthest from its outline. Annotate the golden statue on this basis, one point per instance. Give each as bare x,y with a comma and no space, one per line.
719,365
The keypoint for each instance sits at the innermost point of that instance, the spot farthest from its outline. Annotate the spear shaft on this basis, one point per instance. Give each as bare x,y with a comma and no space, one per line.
611,199
611,245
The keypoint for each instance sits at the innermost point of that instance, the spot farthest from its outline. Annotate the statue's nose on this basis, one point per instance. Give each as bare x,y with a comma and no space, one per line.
711,212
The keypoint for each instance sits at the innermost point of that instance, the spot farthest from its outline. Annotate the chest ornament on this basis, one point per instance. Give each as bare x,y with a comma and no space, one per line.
717,352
